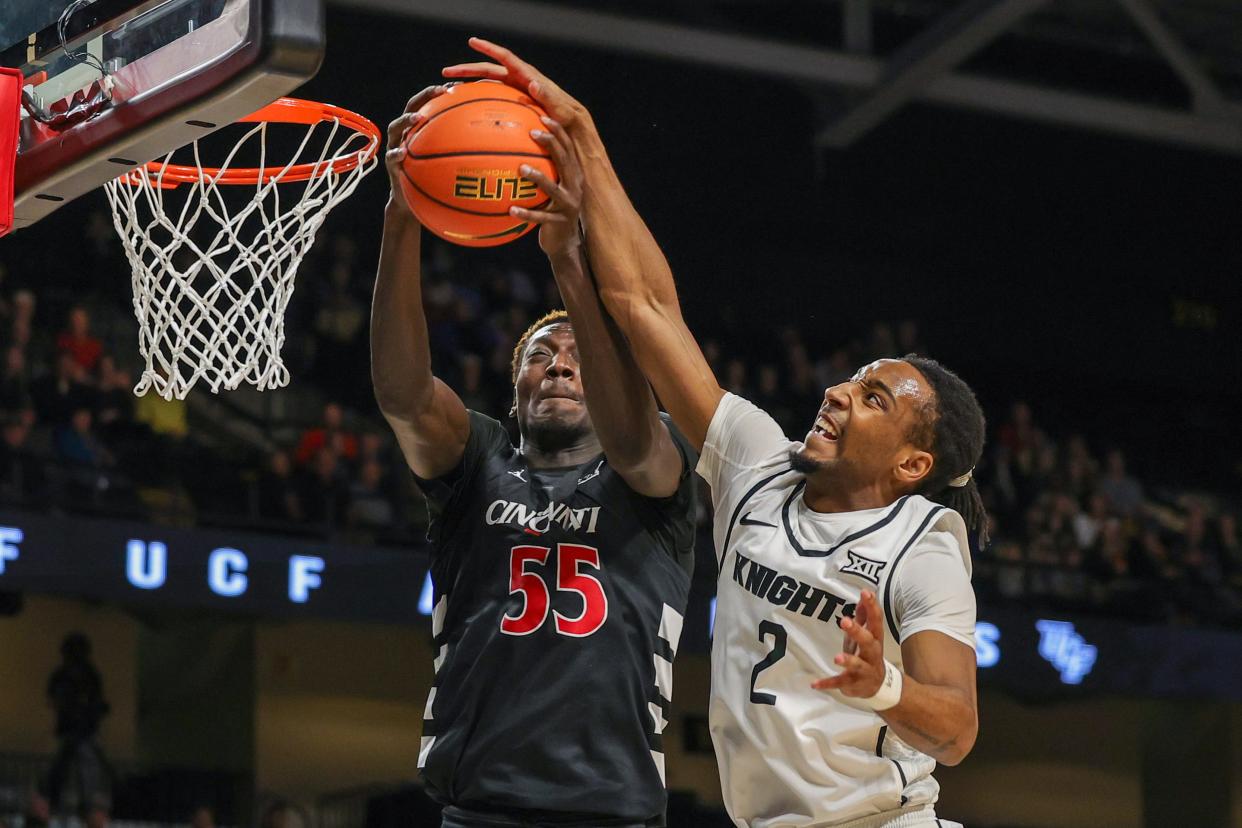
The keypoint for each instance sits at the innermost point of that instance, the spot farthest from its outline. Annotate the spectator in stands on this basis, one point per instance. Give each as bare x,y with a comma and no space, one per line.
371,446
114,404
735,377
161,430
15,381
80,779
1229,546
836,369
100,237
1088,524
1123,491
443,325
281,814
1122,590
470,389
339,321
801,384
1154,557
165,418
57,396
1081,468
1010,570
331,433
21,470
78,445
370,507
908,339
1019,434
882,343
6,302
38,811
24,304
22,313
1208,592
20,331
77,341
324,489
204,817
97,815
711,353
278,490
773,399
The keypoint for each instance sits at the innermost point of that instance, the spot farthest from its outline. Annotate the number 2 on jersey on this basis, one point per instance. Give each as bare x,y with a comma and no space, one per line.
777,652
569,578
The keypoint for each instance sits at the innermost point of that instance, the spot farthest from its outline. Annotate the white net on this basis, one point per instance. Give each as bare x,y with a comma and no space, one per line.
212,275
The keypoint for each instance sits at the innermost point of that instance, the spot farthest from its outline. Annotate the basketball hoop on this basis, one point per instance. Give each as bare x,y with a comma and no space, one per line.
211,282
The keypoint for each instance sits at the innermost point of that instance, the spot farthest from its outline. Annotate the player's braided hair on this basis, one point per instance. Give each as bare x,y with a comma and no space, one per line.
552,317
953,431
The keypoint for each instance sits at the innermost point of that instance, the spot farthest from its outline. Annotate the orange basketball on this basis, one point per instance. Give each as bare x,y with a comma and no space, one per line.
461,164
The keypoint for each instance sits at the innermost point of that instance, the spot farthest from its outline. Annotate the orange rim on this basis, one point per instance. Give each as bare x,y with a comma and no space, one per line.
280,111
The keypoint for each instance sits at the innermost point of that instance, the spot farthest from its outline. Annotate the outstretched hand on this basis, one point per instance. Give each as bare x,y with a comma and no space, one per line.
558,221
509,69
862,657
397,130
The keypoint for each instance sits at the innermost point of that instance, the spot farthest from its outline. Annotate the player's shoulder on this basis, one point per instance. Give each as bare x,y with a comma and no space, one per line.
734,408
745,436
487,435
935,529
488,446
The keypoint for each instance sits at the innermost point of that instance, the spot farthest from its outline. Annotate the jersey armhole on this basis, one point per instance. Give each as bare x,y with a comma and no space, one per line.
486,437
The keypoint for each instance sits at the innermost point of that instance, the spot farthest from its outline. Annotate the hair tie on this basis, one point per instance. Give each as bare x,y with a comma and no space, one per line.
959,482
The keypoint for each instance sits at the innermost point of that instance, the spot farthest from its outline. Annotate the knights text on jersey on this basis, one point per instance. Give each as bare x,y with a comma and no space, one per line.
558,609
791,756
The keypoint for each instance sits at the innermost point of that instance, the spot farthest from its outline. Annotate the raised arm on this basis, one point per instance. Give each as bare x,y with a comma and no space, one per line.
631,273
627,421
426,415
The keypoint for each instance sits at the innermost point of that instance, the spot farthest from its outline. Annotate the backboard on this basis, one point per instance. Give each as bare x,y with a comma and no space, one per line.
116,83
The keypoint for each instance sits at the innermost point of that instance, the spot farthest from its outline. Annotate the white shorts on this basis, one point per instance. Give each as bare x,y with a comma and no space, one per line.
919,817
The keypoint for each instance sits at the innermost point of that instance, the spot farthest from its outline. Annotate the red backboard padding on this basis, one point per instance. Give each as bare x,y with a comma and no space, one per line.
10,100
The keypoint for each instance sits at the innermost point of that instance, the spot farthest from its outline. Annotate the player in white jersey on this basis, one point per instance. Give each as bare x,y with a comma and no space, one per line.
789,576
843,665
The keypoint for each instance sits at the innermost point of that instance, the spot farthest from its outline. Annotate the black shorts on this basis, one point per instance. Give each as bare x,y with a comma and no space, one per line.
455,817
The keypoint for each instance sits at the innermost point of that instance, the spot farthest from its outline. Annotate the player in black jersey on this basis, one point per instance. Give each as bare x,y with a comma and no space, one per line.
561,566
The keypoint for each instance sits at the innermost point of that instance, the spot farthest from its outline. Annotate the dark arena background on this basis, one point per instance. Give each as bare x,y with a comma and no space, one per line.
1045,196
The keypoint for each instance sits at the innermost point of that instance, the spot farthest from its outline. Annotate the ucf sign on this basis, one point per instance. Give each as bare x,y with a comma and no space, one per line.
134,563
146,567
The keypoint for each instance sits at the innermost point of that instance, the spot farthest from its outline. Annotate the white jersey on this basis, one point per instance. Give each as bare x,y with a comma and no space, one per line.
791,756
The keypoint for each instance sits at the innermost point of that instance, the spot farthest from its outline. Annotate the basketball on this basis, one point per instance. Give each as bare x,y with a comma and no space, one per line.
460,170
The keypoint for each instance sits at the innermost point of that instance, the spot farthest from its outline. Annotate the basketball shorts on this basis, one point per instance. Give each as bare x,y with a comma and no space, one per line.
454,817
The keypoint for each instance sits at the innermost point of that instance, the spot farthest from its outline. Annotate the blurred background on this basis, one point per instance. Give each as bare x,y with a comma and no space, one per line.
222,604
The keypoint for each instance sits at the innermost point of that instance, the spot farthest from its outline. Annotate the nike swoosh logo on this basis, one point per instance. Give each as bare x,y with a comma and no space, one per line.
746,521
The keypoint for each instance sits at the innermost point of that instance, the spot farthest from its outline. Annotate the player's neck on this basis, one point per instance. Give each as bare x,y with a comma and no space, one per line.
831,496
542,456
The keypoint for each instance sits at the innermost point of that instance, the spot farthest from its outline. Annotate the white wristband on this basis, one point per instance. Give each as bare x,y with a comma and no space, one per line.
890,689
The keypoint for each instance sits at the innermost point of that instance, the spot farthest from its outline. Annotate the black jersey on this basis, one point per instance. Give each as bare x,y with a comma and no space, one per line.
558,608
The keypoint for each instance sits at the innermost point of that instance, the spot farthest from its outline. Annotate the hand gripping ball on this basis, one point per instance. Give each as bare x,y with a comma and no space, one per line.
460,170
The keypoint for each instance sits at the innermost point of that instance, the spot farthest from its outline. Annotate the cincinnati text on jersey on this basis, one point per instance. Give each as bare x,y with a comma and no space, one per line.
573,520
788,592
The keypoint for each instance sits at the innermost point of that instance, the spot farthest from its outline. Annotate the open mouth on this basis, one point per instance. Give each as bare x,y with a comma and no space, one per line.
825,428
